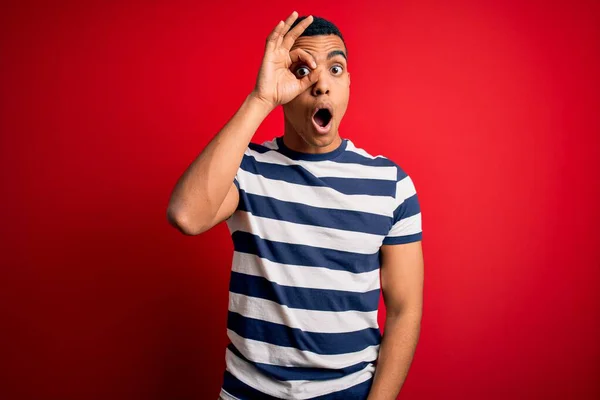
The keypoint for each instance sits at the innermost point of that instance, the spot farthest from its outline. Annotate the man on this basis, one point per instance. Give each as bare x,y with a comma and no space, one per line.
319,228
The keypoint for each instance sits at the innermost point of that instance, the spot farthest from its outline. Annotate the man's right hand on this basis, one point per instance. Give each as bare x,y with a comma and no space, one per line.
205,194
276,84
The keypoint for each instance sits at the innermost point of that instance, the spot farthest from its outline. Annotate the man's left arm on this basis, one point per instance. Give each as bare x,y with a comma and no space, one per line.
402,288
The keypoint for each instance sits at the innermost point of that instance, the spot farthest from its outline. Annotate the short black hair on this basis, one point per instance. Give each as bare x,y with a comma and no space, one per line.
320,26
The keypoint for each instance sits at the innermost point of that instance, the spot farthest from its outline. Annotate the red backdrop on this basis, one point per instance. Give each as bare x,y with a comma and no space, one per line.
492,107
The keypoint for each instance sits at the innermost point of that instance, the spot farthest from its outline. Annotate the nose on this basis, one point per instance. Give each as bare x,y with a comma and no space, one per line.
322,85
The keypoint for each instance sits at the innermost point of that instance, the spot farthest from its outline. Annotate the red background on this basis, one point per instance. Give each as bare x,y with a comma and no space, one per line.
491,107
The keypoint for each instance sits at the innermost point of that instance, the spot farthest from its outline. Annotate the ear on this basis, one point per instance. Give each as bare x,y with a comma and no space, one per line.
349,80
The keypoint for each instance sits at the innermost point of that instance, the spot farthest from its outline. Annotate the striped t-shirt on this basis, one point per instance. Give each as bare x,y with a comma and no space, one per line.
304,287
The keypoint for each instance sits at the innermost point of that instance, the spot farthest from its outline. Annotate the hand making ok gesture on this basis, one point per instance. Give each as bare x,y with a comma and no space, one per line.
276,84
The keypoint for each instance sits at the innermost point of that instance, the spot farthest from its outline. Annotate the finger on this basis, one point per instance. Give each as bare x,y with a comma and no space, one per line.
290,38
307,81
299,55
287,25
275,35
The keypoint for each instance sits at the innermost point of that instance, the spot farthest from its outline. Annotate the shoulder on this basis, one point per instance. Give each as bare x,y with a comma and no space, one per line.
263,147
361,156
268,144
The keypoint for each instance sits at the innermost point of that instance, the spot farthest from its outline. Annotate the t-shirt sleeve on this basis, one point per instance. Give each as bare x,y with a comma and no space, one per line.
247,161
406,223
247,168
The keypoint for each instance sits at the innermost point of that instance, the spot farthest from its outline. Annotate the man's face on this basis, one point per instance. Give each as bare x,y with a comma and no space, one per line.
315,114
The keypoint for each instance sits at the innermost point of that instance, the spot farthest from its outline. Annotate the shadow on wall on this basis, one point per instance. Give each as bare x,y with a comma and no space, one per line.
125,309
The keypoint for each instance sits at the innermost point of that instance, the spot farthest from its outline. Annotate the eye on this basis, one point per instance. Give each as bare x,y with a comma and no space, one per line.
337,69
302,71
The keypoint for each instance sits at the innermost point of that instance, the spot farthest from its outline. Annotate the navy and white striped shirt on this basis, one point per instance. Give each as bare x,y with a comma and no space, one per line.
304,288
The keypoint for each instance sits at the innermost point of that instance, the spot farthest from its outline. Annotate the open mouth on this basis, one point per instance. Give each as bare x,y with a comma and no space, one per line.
322,117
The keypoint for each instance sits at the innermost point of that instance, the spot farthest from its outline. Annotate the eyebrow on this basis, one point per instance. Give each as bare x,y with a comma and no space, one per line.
337,53
333,54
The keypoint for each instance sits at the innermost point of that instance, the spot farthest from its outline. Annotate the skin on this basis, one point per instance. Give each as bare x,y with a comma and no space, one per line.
402,288
331,85
204,195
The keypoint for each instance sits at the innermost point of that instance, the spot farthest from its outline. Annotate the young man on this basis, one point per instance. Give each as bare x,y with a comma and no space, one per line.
319,228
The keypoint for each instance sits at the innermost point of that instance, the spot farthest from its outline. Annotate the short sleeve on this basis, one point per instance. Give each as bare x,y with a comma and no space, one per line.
247,164
406,222
247,168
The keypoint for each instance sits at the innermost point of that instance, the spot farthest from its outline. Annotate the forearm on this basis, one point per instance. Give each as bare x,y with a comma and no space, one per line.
395,355
203,186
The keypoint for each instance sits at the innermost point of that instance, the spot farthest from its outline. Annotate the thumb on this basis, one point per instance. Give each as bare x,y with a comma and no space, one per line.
307,81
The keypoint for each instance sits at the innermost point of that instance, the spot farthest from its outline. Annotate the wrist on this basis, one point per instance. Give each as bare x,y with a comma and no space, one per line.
261,103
